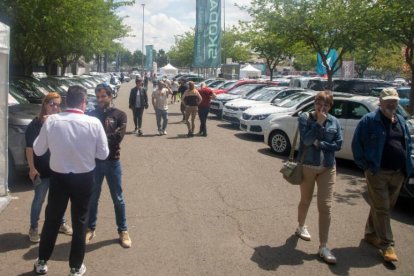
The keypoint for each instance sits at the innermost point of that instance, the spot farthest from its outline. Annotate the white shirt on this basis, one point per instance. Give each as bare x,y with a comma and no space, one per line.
161,98
74,141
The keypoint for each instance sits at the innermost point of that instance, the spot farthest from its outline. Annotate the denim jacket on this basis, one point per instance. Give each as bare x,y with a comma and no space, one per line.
329,137
369,140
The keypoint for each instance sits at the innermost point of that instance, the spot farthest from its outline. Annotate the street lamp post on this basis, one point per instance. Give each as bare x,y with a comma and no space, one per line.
143,6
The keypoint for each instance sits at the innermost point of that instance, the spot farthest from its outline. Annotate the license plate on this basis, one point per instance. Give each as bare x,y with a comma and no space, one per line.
230,114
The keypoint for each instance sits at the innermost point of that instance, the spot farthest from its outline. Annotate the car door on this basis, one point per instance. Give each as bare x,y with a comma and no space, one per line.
354,112
339,111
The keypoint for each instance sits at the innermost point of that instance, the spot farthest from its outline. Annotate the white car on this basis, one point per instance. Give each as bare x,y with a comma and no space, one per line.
254,119
216,105
232,111
347,108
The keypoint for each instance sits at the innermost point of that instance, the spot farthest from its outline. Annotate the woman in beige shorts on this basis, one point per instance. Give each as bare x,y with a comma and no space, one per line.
191,100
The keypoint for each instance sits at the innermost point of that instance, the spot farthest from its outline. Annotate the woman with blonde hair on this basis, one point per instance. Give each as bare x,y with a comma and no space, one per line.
191,100
39,170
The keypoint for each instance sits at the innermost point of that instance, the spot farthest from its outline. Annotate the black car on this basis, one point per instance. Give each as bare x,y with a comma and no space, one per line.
358,86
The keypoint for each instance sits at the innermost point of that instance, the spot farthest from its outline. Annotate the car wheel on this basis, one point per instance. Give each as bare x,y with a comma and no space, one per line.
279,142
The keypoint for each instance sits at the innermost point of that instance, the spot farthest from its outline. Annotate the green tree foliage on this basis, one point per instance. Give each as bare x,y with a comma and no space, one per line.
304,58
389,59
59,32
137,57
161,58
234,45
181,53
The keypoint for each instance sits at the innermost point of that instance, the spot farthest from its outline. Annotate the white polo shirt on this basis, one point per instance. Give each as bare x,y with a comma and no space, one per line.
74,141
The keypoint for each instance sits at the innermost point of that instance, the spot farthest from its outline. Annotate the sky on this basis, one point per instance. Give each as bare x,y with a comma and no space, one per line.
165,19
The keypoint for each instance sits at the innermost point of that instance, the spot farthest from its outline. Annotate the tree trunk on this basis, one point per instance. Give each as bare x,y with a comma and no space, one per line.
271,73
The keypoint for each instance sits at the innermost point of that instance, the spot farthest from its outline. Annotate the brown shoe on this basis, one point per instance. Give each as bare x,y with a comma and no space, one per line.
373,240
389,254
125,239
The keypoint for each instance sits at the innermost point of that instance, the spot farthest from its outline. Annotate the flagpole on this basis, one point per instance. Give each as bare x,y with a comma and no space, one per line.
142,64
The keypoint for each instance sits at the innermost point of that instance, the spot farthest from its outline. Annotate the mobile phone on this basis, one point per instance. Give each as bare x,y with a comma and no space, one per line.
37,180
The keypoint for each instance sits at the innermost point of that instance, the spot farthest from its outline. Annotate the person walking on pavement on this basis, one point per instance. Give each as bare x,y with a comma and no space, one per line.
203,108
74,140
160,104
114,122
320,138
174,88
191,99
382,148
39,169
181,90
138,101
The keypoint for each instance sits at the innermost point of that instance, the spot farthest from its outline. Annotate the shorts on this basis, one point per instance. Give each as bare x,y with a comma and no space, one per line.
175,93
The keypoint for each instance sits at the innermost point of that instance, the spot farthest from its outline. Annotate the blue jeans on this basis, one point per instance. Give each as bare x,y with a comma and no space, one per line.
111,170
40,192
161,114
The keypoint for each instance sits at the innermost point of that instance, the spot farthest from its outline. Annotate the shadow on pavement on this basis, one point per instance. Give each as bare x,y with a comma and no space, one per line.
270,258
182,136
229,126
363,256
13,241
269,152
403,211
249,137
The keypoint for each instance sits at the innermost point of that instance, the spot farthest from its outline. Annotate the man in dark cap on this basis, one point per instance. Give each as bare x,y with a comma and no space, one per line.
181,89
138,100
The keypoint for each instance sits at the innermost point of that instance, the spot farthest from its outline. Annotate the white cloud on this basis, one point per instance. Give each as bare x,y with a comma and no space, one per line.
165,19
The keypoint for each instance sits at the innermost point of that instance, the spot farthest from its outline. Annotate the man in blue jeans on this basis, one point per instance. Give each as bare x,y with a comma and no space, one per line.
114,122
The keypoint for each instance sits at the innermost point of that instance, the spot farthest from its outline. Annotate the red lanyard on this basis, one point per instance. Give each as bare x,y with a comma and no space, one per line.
74,111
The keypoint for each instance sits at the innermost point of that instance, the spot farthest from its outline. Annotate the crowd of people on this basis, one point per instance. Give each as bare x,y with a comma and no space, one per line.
75,171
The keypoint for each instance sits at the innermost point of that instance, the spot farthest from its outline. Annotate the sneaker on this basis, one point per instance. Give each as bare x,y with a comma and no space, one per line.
34,235
135,130
302,232
90,234
389,254
65,229
125,239
373,240
204,134
77,271
40,267
327,255
140,133
164,133
159,132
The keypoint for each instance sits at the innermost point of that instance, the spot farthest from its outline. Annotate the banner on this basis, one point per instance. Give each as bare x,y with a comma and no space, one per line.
148,57
207,43
330,59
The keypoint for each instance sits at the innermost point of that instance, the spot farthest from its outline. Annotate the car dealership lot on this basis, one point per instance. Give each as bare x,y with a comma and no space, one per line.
211,206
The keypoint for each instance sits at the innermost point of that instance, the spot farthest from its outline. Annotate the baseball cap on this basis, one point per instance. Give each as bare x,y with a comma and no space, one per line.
389,94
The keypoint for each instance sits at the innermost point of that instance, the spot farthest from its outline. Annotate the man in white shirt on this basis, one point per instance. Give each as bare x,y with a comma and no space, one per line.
160,104
74,141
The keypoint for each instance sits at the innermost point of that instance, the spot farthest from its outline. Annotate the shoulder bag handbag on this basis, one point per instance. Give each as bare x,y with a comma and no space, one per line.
291,169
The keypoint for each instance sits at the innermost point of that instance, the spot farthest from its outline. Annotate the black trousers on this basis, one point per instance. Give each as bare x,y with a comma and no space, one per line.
137,113
77,188
203,114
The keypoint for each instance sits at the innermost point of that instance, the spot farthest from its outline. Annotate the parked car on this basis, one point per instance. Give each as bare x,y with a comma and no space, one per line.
233,109
226,85
216,105
314,83
26,87
403,93
347,108
358,86
254,119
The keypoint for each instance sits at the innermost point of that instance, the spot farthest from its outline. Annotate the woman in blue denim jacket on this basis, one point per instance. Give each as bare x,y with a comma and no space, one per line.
320,138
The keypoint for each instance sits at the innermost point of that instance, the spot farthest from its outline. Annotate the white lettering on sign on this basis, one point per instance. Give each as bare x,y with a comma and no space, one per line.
213,29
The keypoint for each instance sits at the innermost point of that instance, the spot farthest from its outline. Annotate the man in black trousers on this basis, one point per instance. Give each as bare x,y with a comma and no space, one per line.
74,141
138,100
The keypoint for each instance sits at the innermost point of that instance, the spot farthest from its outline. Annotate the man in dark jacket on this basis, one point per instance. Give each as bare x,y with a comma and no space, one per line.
181,89
114,122
138,100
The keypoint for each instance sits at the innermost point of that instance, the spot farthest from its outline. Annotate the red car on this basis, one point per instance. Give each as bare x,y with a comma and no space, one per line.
233,84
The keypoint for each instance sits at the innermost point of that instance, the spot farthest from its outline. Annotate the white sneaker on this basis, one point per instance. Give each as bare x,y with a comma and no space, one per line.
77,271
327,255
40,267
164,133
303,233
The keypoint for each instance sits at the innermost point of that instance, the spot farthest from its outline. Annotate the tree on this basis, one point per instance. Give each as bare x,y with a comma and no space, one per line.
304,58
389,60
314,23
234,44
161,58
137,58
396,21
181,54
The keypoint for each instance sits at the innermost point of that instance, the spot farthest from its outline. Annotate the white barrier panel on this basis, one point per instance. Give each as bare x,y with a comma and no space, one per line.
4,91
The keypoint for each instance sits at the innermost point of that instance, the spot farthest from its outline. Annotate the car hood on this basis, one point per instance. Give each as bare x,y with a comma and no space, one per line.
23,114
245,103
227,97
266,109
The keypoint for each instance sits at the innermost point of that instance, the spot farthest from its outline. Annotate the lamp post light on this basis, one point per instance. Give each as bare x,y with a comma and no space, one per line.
143,6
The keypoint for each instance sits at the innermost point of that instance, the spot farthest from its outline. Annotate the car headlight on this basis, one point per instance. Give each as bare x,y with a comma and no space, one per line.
260,117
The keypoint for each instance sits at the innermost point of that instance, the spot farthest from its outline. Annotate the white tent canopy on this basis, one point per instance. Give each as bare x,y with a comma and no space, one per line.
250,72
168,70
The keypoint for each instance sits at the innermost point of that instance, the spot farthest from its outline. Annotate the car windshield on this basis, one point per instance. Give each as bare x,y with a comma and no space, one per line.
404,93
17,96
267,96
293,100
215,84
229,85
29,88
243,89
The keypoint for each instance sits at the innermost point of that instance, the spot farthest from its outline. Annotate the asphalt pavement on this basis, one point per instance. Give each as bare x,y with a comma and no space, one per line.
213,205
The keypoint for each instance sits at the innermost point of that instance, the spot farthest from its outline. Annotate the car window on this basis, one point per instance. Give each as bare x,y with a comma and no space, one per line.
357,110
338,109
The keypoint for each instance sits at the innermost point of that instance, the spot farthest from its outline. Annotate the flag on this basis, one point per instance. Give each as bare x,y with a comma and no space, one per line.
207,42
148,57
330,59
